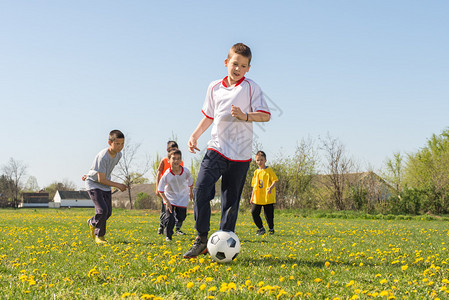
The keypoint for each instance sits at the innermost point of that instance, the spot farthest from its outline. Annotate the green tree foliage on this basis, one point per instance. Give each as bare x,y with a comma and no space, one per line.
428,172
65,185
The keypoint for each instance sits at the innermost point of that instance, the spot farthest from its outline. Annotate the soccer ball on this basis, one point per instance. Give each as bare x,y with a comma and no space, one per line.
223,246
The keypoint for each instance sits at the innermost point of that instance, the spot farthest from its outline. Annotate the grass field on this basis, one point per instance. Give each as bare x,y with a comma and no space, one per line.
48,254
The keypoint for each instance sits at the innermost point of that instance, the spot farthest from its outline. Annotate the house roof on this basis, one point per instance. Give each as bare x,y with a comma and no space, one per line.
73,194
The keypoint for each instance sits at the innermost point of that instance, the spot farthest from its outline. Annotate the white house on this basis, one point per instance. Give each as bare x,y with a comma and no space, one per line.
72,199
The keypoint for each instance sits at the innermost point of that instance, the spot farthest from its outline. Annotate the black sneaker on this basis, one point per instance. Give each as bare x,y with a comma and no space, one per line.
197,249
179,232
260,231
160,230
271,231
168,239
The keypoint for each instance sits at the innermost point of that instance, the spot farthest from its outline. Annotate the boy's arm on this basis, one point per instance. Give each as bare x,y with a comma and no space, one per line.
200,129
271,187
159,175
257,116
103,180
191,193
252,196
167,202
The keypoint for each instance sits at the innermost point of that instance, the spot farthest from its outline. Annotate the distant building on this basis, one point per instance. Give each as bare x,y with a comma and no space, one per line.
72,199
34,200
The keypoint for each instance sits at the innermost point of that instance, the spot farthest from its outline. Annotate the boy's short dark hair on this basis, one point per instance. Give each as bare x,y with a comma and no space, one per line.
116,134
171,144
241,49
261,153
174,152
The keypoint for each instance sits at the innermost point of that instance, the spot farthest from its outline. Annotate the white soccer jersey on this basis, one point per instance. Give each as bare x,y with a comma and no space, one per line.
231,137
176,187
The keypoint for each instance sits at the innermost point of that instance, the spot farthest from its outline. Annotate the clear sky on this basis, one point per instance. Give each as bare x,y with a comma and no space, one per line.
374,74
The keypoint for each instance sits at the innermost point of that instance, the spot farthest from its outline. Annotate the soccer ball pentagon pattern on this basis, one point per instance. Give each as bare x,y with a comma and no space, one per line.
223,246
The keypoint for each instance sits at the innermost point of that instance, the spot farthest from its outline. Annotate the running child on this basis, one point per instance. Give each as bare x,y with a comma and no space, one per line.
175,188
164,165
232,104
264,194
98,184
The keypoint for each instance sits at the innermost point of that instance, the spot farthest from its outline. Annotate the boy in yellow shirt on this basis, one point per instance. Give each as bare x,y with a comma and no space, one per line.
264,194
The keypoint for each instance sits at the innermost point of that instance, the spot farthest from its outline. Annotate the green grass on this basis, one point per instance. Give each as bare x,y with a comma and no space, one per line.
48,254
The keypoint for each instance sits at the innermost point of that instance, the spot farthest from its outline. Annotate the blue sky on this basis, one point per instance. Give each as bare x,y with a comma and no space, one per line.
374,74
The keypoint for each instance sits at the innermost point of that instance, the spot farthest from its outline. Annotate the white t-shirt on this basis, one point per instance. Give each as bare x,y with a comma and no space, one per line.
233,138
176,187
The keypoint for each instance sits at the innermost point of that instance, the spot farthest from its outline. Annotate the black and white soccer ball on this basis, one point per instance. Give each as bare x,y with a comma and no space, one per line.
223,246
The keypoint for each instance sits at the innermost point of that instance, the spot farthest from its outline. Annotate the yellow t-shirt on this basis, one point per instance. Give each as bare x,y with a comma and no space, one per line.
263,178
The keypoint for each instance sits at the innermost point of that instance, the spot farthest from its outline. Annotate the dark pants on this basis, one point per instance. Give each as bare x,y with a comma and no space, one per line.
268,210
103,210
233,175
178,215
178,223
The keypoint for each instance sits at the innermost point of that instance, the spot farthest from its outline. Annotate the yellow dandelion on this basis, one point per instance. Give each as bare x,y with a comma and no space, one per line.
383,293
404,267
212,289
327,264
350,283
318,280
190,285
202,287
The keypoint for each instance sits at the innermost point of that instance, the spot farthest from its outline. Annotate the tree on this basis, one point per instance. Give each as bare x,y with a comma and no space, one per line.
129,170
65,185
427,171
31,185
14,171
337,166
5,190
395,171
301,169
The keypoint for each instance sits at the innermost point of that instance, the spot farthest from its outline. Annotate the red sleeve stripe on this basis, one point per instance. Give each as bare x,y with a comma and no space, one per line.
267,112
206,115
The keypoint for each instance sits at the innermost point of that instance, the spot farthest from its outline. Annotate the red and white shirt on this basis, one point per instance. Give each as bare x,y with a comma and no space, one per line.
176,187
233,138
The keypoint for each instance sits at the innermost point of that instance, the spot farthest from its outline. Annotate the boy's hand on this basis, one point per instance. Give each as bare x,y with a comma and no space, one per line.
269,189
191,195
236,112
169,207
192,145
121,187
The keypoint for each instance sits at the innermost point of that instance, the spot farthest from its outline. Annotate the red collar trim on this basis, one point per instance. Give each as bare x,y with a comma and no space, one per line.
225,81
182,171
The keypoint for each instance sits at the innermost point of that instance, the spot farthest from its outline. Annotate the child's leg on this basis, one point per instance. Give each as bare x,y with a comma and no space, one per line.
102,203
232,182
269,214
255,212
162,215
108,201
180,216
210,171
169,222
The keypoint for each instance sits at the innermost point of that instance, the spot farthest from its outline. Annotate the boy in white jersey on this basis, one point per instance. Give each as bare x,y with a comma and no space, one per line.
175,188
98,184
231,105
